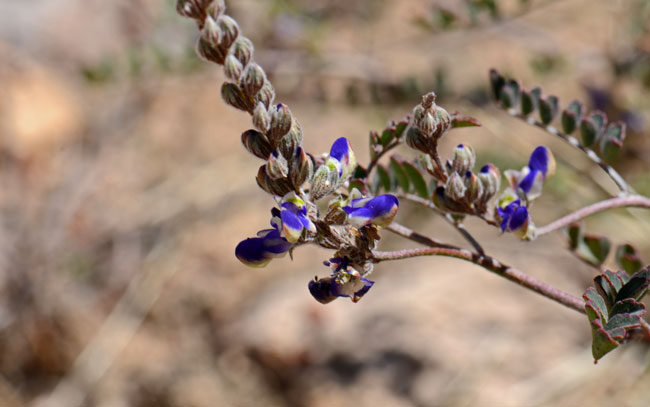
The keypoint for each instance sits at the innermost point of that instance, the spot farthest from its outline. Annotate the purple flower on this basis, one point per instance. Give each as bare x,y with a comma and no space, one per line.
513,217
342,152
530,179
380,210
259,251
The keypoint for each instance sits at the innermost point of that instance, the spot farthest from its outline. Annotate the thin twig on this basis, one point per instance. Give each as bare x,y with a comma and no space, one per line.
492,265
637,201
375,160
416,237
615,176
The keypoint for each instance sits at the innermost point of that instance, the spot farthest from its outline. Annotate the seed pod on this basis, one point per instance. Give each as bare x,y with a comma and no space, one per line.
256,143
277,166
242,49
266,95
229,29
232,68
463,159
233,95
261,118
281,121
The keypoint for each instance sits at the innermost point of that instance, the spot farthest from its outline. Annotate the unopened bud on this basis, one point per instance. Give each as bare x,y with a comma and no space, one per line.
474,187
417,140
277,166
216,8
211,31
292,140
256,143
261,118
253,80
426,162
301,168
229,30
242,49
192,8
491,179
325,181
232,68
233,95
455,187
210,52
463,159
266,95
279,187
281,121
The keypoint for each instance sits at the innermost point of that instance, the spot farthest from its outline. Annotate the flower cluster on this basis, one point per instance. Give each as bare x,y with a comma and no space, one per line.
344,282
524,187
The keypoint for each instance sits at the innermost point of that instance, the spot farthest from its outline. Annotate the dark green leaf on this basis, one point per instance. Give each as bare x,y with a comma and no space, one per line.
399,174
598,246
628,259
636,287
464,121
569,122
628,306
401,126
387,135
359,172
384,178
612,140
358,184
527,103
417,180
548,108
496,82
575,235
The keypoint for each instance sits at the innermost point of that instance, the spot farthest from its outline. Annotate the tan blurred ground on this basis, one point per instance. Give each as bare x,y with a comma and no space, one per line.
124,190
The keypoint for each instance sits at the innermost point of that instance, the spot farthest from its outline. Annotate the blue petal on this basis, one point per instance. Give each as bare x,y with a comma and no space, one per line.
320,289
382,205
291,226
275,244
527,183
340,149
367,284
539,160
251,252
518,218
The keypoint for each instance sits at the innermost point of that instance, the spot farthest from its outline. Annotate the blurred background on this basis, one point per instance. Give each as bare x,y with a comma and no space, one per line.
124,190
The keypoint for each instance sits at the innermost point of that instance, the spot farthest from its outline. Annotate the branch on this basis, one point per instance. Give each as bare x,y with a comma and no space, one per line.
615,176
375,160
637,201
416,237
492,265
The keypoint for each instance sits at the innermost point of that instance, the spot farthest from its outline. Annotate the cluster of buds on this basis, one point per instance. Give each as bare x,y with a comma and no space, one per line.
524,186
465,191
429,123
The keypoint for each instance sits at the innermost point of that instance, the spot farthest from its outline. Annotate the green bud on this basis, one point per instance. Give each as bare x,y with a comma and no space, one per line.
463,159
277,166
266,95
324,182
261,118
292,140
281,122
210,52
233,95
455,187
232,68
256,143
229,29
254,78
426,162
242,49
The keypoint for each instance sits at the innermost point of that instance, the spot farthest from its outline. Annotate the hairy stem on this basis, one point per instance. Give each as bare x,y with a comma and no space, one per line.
615,176
637,201
416,237
374,162
492,265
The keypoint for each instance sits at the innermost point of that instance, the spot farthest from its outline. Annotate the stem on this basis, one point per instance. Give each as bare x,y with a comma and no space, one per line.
624,201
374,162
492,265
615,176
416,237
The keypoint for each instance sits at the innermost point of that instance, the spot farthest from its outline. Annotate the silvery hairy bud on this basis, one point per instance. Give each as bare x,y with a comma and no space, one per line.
216,8
261,118
463,159
211,31
277,166
431,119
253,80
281,121
229,30
426,162
474,187
242,49
292,140
324,182
233,95
210,52
266,95
279,187
256,143
301,168
417,140
232,68
491,179
192,8
455,187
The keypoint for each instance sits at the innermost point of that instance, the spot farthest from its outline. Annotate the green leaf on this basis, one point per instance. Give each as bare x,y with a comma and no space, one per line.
598,246
569,121
575,235
628,259
399,174
509,95
528,103
383,177
358,184
464,121
612,140
548,108
637,286
387,135
417,180
401,126
497,81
